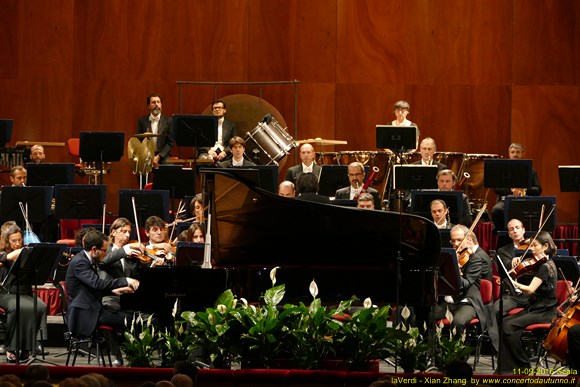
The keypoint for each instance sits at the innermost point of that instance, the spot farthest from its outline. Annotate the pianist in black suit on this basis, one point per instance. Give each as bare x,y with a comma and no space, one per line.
307,187
356,177
307,155
237,146
85,289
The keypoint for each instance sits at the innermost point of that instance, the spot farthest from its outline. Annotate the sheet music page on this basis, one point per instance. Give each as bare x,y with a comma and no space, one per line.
511,284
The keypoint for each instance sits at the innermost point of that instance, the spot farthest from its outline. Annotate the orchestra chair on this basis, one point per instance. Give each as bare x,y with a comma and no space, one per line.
473,330
536,334
97,340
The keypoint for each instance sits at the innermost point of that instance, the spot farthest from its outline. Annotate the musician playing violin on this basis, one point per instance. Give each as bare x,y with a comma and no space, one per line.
516,232
156,231
541,308
468,304
356,177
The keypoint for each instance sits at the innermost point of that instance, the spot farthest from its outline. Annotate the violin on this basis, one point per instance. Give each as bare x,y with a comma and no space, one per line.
525,244
528,264
464,255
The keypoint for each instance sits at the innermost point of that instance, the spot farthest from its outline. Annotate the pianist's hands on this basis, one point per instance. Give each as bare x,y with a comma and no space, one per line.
133,283
123,290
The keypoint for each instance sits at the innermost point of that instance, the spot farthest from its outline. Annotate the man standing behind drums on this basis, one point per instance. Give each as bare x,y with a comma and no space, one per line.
427,149
37,154
238,147
516,152
307,156
446,180
160,124
356,176
226,130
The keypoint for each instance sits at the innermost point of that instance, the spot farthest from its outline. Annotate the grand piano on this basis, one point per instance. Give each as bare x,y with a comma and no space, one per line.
347,251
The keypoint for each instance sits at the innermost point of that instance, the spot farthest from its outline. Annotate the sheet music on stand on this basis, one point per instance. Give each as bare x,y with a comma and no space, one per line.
503,273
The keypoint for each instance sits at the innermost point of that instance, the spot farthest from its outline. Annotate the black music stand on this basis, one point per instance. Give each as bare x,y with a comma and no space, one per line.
399,138
5,131
506,173
421,203
180,182
38,262
47,174
528,210
38,200
147,203
79,201
189,254
101,147
569,266
195,130
570,181
409,177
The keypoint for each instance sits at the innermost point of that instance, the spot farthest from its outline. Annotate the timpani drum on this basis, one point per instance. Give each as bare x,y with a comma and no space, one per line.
379,159
326,158
270,141
472,176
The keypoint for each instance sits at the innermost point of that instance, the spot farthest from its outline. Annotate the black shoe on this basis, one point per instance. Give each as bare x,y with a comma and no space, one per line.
40,350
118,362
24,355
11,357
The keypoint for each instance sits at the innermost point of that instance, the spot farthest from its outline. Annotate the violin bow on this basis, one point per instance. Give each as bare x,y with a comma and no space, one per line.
542,224
136,221
477,218
104,213
180,208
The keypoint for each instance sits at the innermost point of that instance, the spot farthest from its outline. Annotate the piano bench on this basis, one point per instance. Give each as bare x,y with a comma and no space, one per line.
97,340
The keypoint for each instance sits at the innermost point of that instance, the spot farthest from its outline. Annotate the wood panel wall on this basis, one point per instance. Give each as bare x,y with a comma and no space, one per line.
478,74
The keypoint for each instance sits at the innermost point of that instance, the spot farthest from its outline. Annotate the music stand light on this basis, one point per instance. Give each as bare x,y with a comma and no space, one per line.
38,200
50,174
101,147
5,131
147,203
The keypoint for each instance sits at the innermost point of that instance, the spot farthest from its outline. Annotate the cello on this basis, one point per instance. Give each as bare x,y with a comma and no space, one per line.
556,343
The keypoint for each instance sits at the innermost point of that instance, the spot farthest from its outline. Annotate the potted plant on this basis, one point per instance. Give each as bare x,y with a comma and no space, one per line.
449,348
140,343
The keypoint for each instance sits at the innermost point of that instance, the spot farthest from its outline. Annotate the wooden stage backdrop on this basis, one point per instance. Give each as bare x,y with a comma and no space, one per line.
478,74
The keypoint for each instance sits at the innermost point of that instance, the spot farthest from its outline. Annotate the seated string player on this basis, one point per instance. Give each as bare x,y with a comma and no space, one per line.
287,189
237,146
156,231
440,214
365,201
307,187
506,253
468,304
446,181
356,177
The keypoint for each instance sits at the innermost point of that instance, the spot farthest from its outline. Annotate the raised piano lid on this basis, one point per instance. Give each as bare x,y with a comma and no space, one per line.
252,227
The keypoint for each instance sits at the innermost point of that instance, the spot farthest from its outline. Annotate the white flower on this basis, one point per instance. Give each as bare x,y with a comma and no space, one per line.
245,302
313,289
405,313
449,316
211,319
273,275
234,303
221,308
367,303
253,308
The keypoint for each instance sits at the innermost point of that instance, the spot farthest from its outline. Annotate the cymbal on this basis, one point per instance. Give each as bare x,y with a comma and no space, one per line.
146,154
145,135
320,141
133,148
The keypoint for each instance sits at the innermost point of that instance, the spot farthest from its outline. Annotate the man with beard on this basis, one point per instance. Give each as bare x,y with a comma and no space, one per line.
160,124
356,177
